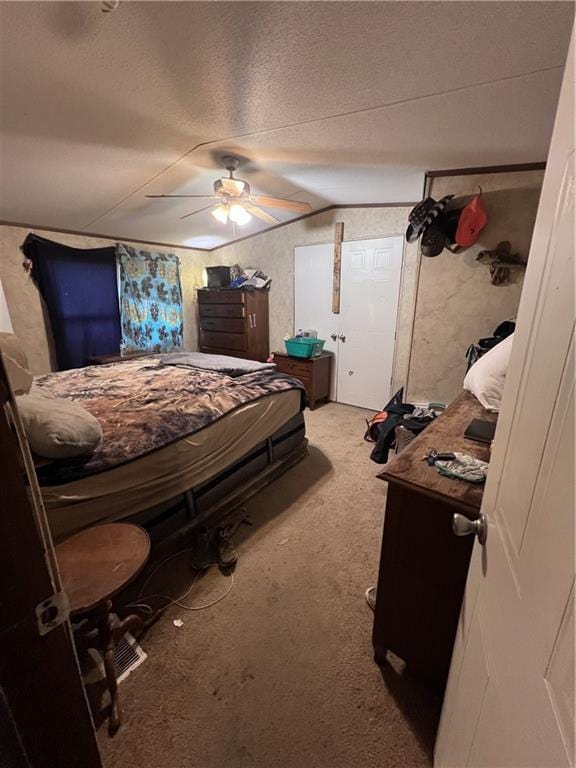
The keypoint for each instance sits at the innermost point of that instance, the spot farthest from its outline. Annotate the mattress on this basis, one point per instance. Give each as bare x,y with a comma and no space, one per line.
145,405
159,476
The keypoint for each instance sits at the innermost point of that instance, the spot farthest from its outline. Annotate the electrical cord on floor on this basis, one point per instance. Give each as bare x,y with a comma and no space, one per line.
146,608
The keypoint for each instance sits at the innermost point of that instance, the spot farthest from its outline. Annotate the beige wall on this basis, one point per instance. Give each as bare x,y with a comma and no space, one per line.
25,305
273,252
446,302
456,302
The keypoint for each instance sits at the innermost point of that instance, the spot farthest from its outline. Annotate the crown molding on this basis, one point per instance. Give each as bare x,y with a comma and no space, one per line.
326,209
99,235
102,236
428,176
488,169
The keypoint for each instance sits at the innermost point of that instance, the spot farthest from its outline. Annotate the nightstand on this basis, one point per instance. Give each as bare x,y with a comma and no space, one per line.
313,372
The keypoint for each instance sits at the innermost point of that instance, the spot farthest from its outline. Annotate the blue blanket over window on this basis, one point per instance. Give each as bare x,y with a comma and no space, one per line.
150,300
80,290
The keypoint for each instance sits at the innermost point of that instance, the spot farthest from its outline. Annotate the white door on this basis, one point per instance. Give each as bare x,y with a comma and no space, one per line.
371,271
510,695
362,336
313,270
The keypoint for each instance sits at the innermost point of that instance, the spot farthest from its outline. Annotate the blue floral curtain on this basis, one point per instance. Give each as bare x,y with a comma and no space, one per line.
150,300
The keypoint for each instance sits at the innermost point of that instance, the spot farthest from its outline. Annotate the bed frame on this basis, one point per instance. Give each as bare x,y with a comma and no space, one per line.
218,497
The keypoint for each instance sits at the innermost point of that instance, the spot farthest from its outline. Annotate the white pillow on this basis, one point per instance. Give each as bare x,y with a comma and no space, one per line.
486,377
57,428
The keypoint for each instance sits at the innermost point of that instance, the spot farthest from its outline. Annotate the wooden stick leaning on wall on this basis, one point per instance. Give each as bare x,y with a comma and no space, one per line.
338,237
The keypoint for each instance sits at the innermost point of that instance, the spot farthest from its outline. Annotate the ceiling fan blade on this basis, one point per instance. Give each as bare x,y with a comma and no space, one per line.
259,213
276,202
208,197
213,205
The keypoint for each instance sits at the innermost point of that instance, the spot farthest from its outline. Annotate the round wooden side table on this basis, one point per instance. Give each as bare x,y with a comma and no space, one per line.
95,565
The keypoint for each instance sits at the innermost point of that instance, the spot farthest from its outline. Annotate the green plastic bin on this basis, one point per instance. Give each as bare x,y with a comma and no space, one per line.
304,346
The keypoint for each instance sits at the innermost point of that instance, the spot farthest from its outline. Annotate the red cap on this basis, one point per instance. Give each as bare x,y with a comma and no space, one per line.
472,221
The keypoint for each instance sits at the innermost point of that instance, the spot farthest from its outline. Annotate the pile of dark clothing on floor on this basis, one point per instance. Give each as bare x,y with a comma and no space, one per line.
382,427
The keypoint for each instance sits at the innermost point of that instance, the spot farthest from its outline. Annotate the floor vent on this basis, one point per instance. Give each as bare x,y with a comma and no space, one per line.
128,656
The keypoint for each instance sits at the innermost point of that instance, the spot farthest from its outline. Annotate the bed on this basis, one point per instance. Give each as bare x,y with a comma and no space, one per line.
175,436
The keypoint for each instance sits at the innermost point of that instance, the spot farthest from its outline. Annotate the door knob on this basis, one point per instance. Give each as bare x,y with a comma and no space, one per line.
333,336
342,338
462,526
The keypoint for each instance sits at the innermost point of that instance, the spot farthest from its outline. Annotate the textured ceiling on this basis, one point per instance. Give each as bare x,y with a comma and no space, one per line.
330,102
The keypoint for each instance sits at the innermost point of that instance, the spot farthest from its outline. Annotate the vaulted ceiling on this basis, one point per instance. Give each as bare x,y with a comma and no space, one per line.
328,102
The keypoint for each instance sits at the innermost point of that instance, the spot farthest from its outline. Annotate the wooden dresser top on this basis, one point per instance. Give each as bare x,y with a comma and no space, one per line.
445,434
304,359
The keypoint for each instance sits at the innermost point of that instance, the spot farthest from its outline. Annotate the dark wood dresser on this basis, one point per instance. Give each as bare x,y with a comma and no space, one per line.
423,564
313,372
234,321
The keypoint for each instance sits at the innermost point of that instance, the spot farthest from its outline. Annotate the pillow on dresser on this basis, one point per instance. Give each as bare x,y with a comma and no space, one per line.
15,363
57,428
486,377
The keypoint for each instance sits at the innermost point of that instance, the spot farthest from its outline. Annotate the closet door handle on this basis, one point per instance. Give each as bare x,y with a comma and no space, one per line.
254,320
333,336
462,526
342,338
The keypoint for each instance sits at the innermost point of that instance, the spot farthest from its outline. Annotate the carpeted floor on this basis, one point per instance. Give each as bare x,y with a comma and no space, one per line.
280,673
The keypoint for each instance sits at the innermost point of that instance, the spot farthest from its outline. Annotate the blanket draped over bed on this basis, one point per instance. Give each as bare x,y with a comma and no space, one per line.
143,405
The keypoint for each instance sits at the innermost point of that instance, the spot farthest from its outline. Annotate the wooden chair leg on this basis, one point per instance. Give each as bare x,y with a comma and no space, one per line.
107,649
131,623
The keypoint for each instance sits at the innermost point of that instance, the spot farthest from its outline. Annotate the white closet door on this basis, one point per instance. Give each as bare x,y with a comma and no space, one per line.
313,269
371,271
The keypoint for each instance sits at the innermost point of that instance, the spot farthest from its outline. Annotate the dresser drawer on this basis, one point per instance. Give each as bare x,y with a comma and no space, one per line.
314,373
232,341
226,324
306,383
221,297
304,378
294,367
221,310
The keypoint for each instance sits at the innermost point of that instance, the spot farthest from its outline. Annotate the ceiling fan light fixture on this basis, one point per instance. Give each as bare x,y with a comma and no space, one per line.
235,202
221,213
239,215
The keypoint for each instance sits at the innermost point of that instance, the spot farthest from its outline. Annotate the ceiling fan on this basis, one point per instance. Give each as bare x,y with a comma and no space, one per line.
236,203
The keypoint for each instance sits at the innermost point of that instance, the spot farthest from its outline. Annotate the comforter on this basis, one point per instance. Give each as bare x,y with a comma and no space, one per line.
143,405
